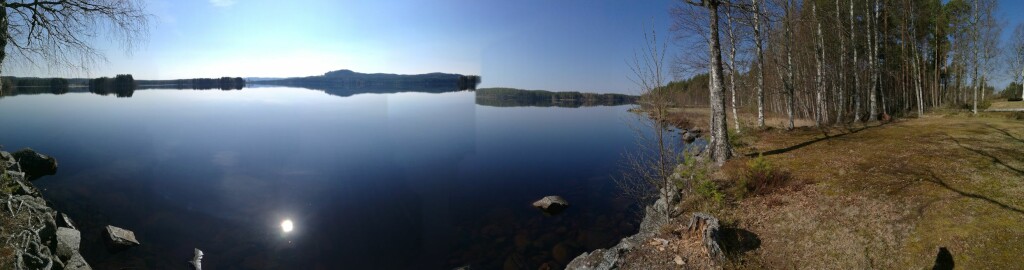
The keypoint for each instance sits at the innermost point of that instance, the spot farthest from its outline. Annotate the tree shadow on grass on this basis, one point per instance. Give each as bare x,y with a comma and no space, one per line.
1007,133
995,159
934,179
807,143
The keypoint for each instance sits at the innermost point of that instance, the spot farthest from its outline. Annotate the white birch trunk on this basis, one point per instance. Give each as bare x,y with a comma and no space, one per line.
789,64
720,149
819,55
732,69
760,64
856,71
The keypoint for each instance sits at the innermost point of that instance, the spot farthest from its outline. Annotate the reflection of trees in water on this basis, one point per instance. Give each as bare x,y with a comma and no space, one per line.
345,91
123,85
509,97
12,86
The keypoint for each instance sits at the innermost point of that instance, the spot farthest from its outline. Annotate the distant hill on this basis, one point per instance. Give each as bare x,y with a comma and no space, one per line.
511,97
346,82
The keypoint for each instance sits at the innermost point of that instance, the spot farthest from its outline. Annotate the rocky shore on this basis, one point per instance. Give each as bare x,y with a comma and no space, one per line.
32,234
696,245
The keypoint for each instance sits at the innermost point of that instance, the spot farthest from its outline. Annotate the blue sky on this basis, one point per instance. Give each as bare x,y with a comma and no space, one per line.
531,44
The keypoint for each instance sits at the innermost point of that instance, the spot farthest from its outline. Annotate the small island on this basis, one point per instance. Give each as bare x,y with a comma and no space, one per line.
511,97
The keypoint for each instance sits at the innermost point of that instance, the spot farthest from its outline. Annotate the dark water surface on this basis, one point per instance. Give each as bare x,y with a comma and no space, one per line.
370,181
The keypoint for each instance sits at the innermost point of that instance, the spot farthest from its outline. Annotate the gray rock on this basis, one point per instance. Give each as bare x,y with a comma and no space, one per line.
121,237
8,162
705,229
551,205
17,184
77,263
611,258
68,241
64,221
35,164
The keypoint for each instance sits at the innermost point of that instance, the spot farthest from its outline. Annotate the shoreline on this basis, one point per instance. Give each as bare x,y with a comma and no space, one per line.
36,236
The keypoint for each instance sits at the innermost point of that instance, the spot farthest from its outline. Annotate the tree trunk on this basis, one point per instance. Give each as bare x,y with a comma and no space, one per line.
3,41
732,68
789,64
920,88
760,64
720,149
872,40
856,71
819,82
841,68
977,48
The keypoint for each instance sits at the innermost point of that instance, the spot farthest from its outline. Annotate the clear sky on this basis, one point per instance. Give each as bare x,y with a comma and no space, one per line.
531,44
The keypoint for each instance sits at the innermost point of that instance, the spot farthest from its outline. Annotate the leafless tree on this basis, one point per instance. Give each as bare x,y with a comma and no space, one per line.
760,61
58,33
649,170
1015,61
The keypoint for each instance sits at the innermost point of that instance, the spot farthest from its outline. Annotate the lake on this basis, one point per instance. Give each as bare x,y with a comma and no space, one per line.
368,181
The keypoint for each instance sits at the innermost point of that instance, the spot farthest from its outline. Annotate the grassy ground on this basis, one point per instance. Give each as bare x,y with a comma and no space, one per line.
885,196
1007,105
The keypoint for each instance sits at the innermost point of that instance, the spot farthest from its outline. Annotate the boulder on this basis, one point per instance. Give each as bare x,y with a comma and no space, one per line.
8,162
35,164
68,241
705,228
551,205
64,221
120,237
16,183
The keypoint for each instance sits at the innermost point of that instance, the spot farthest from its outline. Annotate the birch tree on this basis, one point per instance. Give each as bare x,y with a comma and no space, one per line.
1015,61
760,62
720,149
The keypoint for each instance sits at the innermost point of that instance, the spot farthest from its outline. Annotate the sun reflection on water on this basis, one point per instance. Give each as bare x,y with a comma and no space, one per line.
287,225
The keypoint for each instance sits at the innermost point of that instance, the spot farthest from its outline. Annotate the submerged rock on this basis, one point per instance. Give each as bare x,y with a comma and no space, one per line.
551,205
120,237
35,164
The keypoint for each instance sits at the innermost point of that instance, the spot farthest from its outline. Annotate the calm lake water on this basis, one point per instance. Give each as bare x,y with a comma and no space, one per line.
370,181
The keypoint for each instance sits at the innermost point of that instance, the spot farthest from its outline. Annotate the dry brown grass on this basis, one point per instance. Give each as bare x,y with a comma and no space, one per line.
882,196
889,196
1003,104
